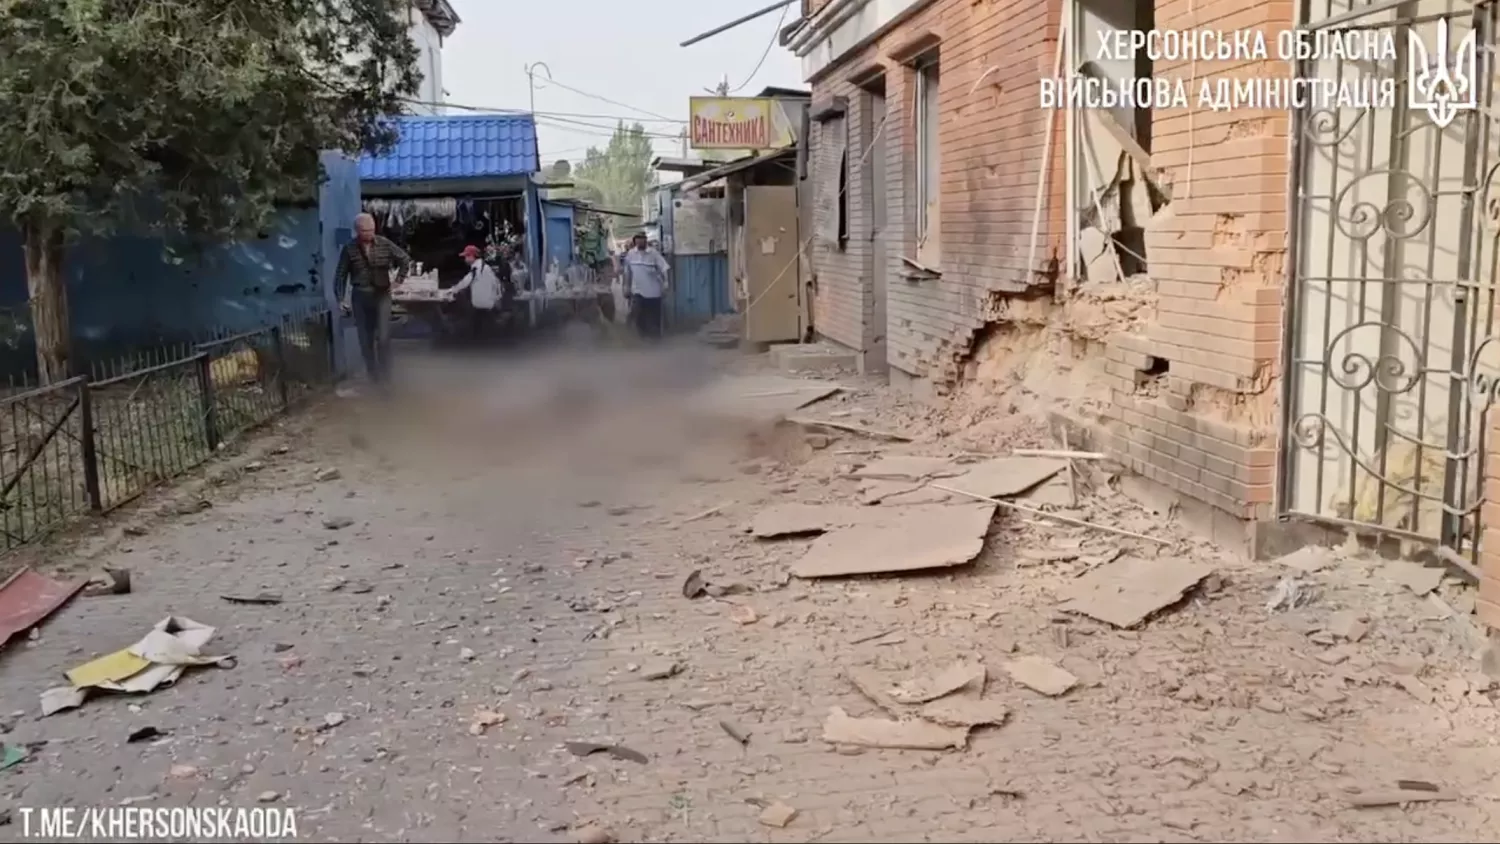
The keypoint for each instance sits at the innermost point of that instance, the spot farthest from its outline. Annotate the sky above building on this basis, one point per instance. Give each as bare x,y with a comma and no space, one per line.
608,62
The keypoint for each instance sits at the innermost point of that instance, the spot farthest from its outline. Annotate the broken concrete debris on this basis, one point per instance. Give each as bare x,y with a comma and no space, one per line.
777,814
955,677
1290,593
1041,675
965,711
1348,625
484,719
661,669
783,520
951,701
1418,578
1309,560
841,728
914,538
905,467
1128,591
1003,477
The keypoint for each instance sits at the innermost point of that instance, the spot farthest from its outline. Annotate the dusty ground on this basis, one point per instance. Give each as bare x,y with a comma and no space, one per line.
535,570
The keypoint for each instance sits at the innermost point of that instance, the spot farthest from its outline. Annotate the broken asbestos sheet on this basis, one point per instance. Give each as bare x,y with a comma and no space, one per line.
841,728
909,539
908,467
929,712
799,519
1128,591
156,660
1004,477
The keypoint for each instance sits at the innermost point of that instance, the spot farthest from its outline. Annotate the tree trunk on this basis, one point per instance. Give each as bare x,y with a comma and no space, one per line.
49,299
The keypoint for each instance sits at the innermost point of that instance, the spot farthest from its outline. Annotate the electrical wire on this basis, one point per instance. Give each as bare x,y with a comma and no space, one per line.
599,130
775,31
551,82
497,110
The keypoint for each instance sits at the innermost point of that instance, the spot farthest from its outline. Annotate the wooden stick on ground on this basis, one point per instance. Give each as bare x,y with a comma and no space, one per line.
1063,453
1067,520
1072,470
850,427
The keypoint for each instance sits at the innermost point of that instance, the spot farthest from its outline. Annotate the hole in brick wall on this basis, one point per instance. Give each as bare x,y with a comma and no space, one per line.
1150,378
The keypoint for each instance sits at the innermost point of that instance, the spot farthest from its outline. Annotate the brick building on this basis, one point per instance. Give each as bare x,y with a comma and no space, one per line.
951,209
926,147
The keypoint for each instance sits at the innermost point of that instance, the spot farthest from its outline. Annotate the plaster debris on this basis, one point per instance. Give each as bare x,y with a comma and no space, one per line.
913,538
1128,591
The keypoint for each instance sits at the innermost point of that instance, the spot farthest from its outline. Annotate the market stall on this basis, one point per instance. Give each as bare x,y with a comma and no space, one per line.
434,231
449,182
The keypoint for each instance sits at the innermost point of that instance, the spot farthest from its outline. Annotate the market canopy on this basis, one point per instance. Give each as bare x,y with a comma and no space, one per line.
456,146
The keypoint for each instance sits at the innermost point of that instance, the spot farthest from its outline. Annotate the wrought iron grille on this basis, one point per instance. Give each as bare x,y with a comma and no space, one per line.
1390,358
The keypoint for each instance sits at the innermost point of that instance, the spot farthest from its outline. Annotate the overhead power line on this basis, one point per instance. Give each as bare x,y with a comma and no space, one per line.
581,93
597,128
775,30
498,110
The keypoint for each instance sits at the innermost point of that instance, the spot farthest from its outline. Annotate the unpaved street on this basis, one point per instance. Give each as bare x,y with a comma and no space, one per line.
520,549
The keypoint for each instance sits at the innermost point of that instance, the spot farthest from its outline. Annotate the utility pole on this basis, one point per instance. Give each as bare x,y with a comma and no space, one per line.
531,80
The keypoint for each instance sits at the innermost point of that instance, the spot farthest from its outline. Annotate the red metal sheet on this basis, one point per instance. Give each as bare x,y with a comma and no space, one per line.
27,598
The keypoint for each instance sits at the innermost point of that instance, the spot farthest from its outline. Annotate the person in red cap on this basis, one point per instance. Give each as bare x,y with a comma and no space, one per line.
483,289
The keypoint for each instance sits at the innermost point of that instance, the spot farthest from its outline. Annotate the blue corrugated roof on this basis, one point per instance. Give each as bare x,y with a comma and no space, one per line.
462,146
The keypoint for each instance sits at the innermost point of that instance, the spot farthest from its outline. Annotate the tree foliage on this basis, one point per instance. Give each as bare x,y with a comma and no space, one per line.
181,116
617,176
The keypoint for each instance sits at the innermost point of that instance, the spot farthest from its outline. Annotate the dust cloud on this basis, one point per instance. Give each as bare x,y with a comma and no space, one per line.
576,401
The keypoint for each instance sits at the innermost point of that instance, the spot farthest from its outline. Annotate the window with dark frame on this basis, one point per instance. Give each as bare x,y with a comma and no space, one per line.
928,167
844,199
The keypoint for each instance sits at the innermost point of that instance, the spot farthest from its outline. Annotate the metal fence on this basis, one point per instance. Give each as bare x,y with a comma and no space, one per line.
92,443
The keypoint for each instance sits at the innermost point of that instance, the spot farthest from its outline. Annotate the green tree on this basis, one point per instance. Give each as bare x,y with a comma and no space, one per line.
617,177
191,117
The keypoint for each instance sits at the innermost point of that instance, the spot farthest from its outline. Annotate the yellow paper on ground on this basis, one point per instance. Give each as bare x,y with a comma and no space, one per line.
111,668
156,660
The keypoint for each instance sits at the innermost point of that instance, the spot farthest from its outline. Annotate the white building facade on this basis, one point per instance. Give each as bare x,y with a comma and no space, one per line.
432,21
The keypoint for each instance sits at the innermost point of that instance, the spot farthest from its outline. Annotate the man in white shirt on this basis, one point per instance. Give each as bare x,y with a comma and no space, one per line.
645,285
483,287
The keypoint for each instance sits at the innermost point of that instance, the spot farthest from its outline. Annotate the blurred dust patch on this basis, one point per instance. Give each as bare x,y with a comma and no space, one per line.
576,407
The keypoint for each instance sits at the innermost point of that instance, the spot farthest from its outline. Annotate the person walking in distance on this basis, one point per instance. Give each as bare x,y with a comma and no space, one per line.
645,286
363,282
483,286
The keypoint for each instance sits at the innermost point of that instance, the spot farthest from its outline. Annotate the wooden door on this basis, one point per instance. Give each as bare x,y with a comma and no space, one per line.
770,247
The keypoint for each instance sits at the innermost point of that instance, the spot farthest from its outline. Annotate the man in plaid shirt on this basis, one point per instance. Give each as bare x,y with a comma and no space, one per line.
363,284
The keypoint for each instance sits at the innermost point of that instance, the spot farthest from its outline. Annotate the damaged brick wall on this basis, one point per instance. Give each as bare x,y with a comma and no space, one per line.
992,54
843,304
1194,388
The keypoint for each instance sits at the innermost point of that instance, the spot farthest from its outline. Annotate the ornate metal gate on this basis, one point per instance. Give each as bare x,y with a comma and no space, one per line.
1389,360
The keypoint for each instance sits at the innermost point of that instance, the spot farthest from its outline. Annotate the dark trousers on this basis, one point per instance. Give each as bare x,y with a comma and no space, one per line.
479,324
646,312
372,319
